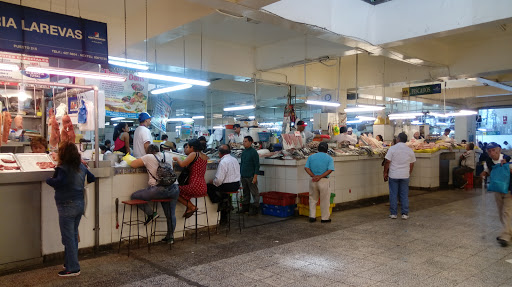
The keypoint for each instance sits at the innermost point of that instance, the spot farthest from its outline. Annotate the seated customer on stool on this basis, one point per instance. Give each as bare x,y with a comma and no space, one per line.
227,179
153,191
319,166
466,164
196,186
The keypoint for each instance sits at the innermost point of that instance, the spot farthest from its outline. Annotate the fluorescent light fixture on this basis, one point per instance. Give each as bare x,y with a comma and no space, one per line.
456,114
404,116
117,119
416,122
482,130
218,127
252,117
239,108
467,112
354,122
180,120
364,108
197,117
322,103
172,79
443,124
77,73
312,120
171,89
9,67
128,63
414,61
363,118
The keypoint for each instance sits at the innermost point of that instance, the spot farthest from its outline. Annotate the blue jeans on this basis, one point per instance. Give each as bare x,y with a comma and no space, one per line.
70,213
161,192
398,188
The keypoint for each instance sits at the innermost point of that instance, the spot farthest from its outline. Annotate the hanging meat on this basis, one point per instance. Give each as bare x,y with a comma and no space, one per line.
68,133
6,126
54,130
18,122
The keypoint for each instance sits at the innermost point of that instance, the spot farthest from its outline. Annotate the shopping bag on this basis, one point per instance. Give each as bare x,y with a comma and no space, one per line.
500,178
82,113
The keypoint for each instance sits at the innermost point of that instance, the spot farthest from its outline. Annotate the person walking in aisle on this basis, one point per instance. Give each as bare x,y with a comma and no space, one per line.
249,168
397,169
503,200
319,166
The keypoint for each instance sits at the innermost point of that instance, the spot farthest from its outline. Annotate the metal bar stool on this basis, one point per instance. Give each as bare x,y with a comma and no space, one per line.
132,203
154,231
196,226
240,220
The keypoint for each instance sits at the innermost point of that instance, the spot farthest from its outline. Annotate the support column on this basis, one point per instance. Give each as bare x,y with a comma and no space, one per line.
465,128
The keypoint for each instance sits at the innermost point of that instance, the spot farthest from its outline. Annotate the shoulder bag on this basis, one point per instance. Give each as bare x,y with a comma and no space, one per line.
185,173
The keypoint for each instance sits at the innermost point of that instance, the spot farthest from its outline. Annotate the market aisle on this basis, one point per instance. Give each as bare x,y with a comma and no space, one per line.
448,241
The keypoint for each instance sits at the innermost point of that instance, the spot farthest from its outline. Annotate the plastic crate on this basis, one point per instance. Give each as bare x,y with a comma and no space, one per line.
304,198
304,209
277,210
264,136
279,198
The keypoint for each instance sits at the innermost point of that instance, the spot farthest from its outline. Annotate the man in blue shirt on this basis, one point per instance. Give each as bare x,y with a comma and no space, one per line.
319,166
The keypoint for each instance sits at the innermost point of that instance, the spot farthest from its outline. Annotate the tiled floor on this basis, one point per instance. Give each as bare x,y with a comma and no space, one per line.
448,241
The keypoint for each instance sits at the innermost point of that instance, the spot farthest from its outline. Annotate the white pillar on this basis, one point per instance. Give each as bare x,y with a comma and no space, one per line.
465,128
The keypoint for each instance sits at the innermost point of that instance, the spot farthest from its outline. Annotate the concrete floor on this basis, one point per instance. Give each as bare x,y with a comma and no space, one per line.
448,241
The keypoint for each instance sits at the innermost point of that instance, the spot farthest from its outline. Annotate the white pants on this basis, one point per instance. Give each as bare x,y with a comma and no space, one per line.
316,189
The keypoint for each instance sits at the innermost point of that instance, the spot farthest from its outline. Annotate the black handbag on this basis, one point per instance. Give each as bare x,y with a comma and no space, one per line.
185,173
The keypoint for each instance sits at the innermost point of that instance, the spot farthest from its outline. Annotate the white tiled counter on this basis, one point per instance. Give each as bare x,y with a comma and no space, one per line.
355,177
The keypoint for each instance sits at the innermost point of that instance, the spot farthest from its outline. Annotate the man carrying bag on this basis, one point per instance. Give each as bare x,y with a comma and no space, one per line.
498,168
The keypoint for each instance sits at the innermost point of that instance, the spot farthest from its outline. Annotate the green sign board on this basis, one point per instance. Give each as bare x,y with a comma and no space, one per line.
421,90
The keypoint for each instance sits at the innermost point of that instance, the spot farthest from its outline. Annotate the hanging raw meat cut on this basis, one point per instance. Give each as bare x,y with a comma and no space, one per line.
6,126
18,122
54,130
68,133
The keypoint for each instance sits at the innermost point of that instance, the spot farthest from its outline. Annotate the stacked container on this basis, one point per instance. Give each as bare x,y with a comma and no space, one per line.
304,204
280,204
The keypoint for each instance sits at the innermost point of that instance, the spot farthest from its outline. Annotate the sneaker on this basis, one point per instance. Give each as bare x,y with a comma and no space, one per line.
392,216
150,218
405,216
65,273
326,221
312,219
502,242
168,240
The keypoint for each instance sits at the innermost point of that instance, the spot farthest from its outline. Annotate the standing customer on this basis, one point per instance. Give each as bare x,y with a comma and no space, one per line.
142,137
249,168
227,179
196,186
503,200
68,182
153,191
397,169
122,138
319,166
466,164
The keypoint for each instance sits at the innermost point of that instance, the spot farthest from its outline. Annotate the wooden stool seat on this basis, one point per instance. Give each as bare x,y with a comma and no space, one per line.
196,225
136,222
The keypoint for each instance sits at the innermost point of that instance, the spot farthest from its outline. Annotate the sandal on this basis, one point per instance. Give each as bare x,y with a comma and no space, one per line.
189,213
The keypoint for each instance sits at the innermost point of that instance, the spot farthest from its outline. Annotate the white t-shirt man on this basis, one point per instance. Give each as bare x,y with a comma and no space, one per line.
344,137
152,165
141,136
237,138
400,156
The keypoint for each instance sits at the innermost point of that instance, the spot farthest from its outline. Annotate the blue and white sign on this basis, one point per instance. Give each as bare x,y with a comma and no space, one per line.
37,32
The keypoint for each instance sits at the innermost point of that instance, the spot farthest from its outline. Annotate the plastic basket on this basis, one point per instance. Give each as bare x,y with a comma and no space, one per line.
277,210
264,136
304,209
304,198
279,198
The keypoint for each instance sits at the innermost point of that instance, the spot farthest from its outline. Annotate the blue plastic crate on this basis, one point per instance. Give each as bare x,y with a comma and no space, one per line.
276,210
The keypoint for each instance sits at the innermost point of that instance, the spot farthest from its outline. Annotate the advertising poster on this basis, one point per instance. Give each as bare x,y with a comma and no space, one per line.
27,61
161,113
125,99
